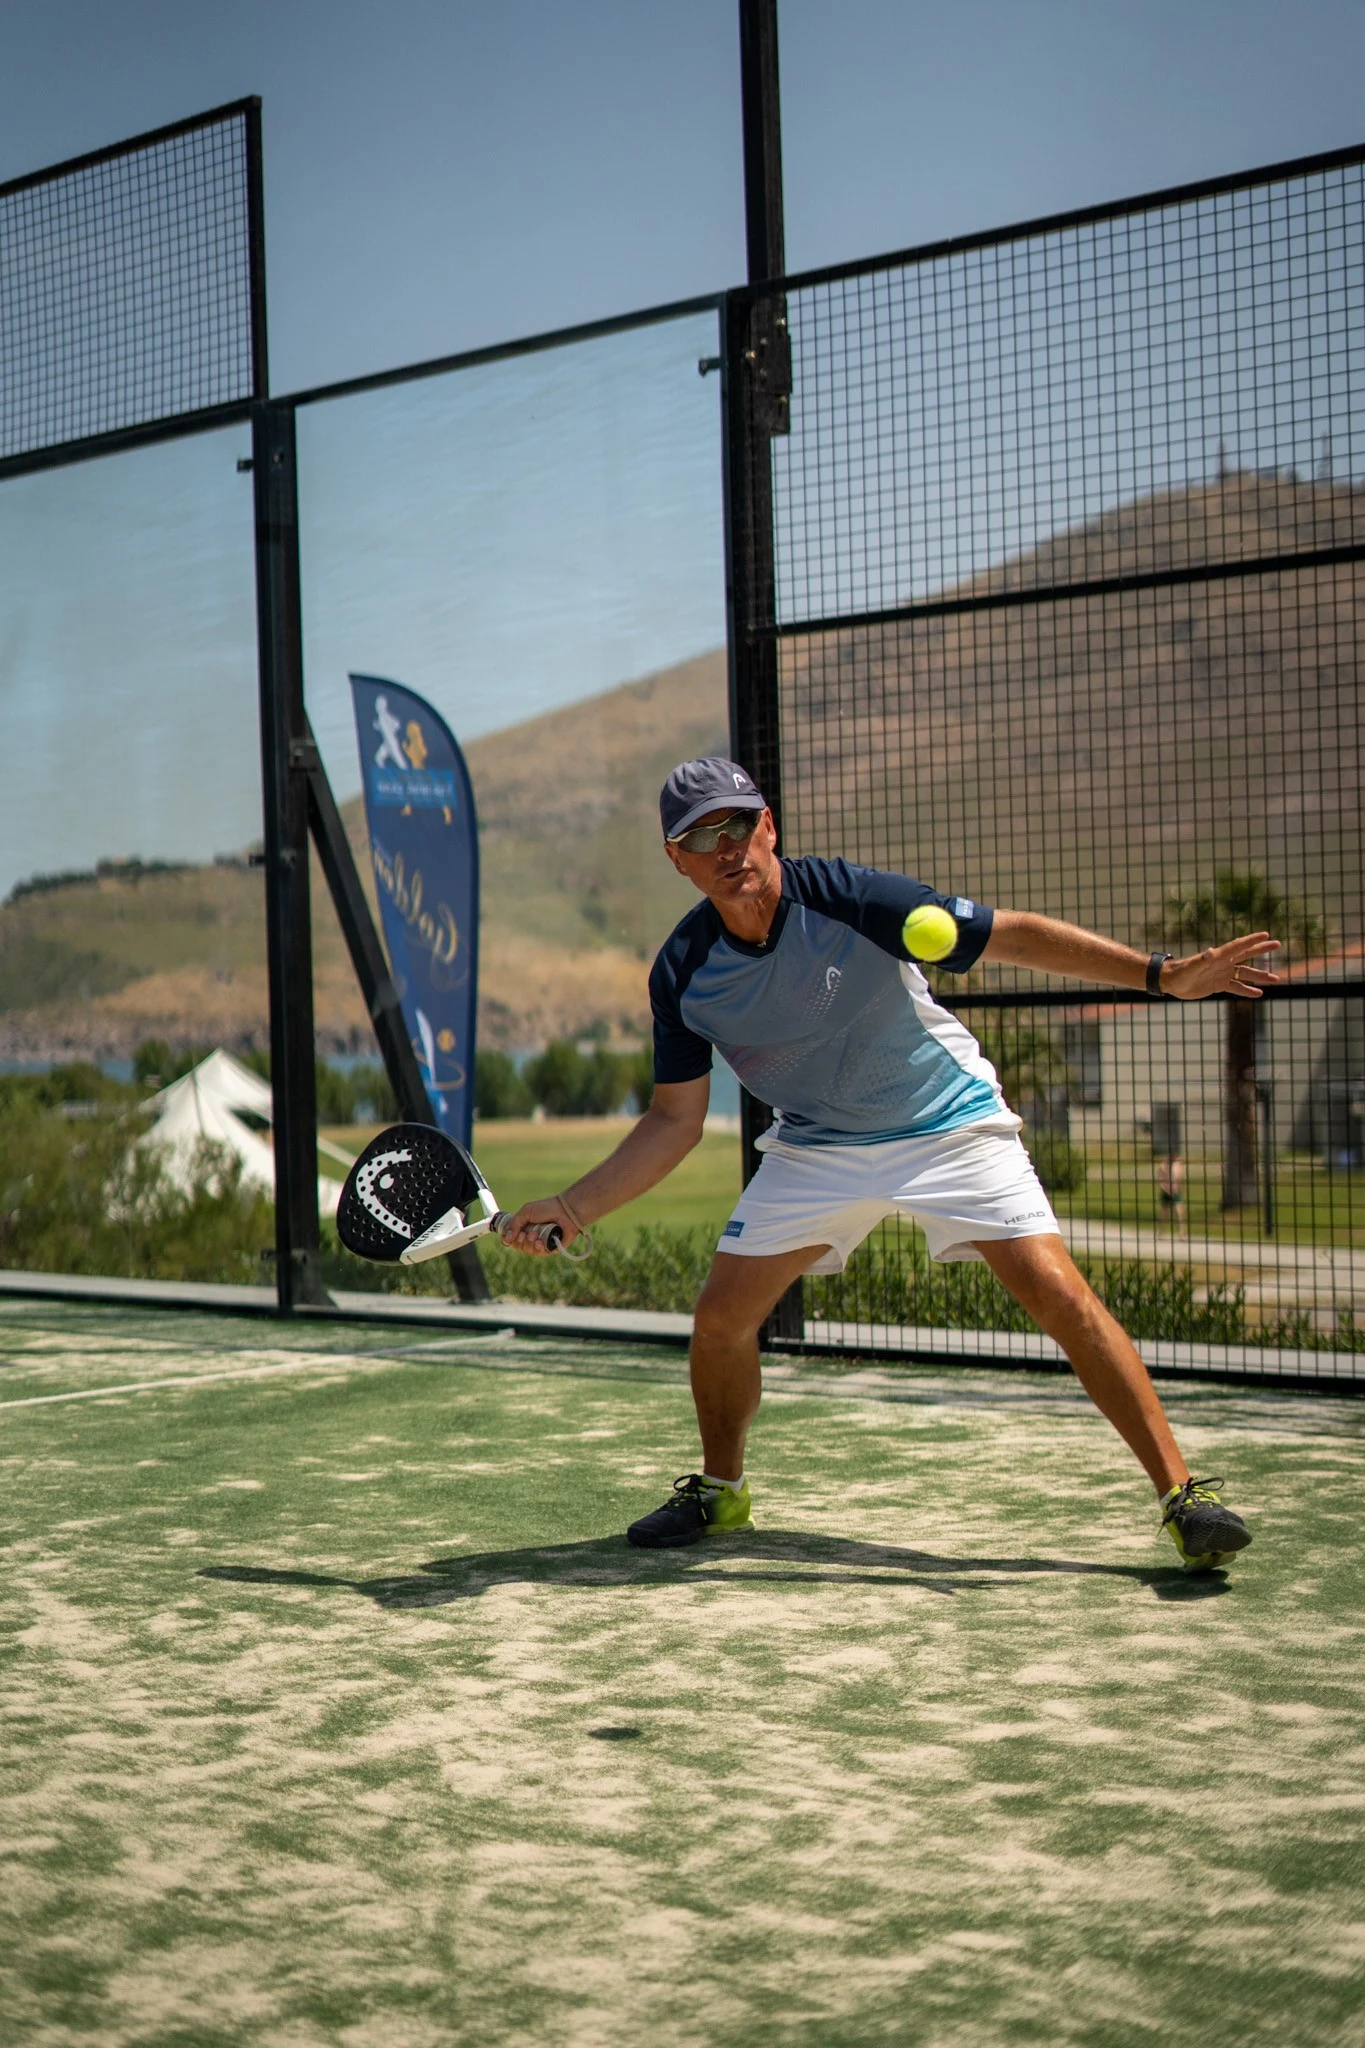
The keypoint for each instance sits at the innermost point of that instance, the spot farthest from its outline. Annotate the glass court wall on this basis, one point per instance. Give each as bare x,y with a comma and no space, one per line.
131,918
535,544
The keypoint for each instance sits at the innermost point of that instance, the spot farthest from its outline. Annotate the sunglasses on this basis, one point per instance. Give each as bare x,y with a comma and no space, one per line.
738,826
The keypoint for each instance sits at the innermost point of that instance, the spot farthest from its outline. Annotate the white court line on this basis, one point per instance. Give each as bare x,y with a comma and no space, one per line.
318,1362
192,1379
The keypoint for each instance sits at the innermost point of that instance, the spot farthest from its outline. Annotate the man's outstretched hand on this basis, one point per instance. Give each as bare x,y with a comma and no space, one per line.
1222,970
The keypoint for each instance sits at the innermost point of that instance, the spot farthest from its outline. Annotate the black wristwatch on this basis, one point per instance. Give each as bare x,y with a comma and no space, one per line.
1154,967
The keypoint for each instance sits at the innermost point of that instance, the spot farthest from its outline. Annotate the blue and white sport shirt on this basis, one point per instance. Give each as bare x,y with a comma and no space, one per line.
828,1020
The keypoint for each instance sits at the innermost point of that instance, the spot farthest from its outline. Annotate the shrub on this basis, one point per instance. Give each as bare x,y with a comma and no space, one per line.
640,1073
336,1094
499,1088
884,1281
84,1198
372,1097
1059,1164
352,1095
887,1281
655,1268
566,1082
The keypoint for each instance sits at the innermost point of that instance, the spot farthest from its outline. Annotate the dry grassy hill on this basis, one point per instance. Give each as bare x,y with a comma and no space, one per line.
576,894
1083,759
1086,758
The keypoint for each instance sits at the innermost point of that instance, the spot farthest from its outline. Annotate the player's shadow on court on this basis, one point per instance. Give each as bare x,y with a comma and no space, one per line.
772,1557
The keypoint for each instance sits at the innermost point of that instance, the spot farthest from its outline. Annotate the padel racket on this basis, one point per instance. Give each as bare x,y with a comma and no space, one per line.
409,1195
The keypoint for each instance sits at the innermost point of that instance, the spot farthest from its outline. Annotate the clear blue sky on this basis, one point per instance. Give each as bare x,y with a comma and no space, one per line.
445,175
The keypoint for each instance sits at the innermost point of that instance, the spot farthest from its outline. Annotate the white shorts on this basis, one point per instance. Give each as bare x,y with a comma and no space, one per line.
960,1186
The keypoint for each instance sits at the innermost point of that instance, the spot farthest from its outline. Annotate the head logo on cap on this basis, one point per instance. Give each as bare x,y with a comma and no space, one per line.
698,787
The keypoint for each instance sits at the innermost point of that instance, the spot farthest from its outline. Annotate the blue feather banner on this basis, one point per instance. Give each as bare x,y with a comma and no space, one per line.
424,842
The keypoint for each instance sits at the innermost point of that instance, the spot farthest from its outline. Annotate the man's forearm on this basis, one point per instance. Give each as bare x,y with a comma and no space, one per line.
1021,938
1239,967
646,1155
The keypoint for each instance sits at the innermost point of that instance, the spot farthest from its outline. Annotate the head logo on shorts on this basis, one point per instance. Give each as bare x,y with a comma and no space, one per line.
733,1228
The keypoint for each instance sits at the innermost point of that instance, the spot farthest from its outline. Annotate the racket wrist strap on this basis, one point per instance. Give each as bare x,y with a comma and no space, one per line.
584,1234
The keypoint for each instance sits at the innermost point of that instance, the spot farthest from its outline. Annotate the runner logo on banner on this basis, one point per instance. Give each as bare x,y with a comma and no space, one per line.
424,842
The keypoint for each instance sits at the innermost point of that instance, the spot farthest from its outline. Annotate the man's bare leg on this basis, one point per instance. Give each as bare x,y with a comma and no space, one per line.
1042,1276
726,1383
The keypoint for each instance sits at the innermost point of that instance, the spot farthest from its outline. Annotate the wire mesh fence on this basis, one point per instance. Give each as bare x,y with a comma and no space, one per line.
131,287
1056,580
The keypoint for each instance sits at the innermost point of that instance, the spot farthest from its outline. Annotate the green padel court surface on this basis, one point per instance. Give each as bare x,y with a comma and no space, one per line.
338,1711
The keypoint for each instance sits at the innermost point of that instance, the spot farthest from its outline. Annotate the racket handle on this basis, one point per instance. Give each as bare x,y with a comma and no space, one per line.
550,1234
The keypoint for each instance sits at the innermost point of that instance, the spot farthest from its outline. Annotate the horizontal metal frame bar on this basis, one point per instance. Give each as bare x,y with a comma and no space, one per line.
151,431
1065,593
131,146
503,351
108,444
171,429
1060,223
206,421
1086,998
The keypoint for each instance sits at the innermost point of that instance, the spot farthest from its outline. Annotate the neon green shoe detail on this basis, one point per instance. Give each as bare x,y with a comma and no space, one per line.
1204,1531
695,1510
726,1510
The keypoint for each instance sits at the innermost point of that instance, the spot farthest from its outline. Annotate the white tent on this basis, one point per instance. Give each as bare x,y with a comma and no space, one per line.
220,1100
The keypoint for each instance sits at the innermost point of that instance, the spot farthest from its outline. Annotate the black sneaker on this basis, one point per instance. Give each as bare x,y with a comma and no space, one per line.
1202,1529
696,1510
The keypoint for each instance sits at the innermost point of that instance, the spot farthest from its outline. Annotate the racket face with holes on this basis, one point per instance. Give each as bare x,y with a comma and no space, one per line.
404,1180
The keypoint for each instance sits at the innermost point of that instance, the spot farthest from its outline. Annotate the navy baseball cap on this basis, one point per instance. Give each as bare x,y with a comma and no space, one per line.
696,787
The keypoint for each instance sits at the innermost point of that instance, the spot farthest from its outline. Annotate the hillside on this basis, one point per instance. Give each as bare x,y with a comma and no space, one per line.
1084,759
576,894
1081,759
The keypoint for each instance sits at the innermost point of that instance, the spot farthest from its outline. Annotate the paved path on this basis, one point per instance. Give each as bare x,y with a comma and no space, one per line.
1313,1275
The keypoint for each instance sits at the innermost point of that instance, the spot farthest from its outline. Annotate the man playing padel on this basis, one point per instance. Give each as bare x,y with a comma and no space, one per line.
798,973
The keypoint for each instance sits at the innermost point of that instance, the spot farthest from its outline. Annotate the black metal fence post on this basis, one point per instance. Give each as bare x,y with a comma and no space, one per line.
756,359
255,232
286,747
755,738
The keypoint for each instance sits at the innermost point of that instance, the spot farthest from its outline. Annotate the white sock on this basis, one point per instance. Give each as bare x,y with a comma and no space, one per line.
735,1485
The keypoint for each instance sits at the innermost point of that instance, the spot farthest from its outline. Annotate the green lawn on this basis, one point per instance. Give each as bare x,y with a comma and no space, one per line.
524,1159
1312,1206
338,1711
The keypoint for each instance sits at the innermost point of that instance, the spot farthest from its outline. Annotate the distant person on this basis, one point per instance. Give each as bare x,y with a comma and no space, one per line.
798,973
1170,1184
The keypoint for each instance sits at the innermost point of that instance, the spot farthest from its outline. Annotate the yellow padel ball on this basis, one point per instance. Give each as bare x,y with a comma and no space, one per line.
929,933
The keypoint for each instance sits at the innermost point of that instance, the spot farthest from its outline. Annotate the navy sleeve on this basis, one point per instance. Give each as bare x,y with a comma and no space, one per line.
876,903
680,1054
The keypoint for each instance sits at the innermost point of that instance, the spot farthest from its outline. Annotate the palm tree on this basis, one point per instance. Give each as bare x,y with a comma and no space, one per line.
1240,901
